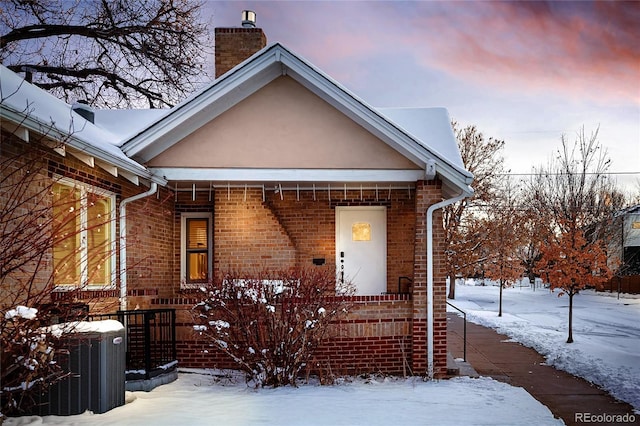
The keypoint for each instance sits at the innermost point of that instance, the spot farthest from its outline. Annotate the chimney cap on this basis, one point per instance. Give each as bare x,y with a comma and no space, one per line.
248,19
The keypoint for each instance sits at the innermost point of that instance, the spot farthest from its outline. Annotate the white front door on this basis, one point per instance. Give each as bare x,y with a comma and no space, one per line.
361,247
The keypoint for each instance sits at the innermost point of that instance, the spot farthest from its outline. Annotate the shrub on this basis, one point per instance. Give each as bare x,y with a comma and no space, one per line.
28,365
271,323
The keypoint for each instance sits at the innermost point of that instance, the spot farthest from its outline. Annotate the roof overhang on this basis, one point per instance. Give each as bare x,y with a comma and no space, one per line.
23,125
249,77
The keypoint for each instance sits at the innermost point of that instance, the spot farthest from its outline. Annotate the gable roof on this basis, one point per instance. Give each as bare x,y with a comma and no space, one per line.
419,134
31,109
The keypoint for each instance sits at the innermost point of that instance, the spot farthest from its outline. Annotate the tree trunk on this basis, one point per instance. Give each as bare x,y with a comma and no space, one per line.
570,338
500,309
452,284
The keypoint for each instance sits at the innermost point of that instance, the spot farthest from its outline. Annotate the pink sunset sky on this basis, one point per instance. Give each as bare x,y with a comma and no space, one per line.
524,72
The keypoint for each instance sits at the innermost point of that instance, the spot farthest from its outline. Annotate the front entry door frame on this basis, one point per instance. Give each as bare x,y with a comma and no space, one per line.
361,247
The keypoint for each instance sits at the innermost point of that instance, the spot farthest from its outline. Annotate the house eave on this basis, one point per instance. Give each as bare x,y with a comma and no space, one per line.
80,148
287,175
253,74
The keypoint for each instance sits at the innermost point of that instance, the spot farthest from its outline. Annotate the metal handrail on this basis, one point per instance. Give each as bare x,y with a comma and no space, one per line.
464,342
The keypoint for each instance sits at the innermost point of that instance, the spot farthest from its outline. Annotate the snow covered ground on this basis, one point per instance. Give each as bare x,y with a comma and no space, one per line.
606,351
196,399
606,331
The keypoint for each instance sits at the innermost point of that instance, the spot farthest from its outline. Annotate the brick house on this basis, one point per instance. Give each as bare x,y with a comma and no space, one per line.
273,164
623,251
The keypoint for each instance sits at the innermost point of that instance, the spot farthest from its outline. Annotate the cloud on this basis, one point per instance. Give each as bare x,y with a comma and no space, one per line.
579,49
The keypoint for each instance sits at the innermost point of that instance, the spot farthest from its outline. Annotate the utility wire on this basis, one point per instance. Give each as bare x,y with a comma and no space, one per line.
563,174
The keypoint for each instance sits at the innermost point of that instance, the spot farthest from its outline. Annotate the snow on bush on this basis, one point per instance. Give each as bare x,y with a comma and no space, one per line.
27,357
21,312
271,323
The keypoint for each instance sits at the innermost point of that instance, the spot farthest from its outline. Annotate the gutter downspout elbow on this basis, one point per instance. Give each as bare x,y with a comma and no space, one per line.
123,246
430,211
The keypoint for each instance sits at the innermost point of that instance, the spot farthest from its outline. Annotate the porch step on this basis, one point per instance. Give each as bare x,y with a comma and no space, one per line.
452,367
457,367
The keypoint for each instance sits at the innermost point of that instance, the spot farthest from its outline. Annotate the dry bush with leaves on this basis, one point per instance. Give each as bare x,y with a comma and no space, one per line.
271,323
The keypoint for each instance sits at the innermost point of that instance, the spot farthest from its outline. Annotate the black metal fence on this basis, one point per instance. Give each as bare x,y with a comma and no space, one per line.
150,340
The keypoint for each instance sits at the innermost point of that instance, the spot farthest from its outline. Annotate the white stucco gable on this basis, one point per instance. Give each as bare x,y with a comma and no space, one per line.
276,61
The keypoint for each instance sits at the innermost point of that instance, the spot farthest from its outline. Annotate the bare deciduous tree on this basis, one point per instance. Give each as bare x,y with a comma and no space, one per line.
576,197
480,156
504,224
108,53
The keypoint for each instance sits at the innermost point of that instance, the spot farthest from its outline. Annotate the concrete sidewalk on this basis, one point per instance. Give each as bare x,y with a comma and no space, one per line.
565,395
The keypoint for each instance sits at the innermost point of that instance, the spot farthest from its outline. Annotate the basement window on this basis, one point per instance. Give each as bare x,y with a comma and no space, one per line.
195,258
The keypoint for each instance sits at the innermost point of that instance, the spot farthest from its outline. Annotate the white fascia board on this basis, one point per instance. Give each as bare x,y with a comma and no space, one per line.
202,108
287,175
53,133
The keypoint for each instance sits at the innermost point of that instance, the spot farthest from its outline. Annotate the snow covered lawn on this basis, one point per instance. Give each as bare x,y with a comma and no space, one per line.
195,399
606,331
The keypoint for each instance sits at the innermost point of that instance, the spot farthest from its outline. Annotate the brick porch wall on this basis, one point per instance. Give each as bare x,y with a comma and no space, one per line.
375,337
303,227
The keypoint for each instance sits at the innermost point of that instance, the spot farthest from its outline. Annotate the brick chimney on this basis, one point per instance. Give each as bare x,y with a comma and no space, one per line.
234,45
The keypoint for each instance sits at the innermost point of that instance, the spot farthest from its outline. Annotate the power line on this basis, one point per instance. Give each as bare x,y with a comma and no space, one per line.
564,174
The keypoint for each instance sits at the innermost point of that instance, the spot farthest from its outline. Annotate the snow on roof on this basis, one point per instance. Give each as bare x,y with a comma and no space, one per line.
131,131
125,123
431,127
49,113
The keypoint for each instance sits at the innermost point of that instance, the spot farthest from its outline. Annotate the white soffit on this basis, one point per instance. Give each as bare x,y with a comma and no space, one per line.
288,175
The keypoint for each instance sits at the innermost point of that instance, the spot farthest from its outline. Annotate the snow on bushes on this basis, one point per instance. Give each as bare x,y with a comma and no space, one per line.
27,358
271,323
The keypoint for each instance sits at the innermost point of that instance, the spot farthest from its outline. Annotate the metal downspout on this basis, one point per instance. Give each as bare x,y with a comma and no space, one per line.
430,211
123,246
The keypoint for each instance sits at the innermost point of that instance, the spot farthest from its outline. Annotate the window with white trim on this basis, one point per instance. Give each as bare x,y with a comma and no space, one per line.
84,237
195,248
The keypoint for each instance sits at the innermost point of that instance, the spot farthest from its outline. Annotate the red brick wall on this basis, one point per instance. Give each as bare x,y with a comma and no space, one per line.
247,235
150,225
376,336
309,221
428,193
150,247
234,45
18,165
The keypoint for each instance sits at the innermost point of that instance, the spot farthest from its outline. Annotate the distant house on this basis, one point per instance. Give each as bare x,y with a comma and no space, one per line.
623,251
273,164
